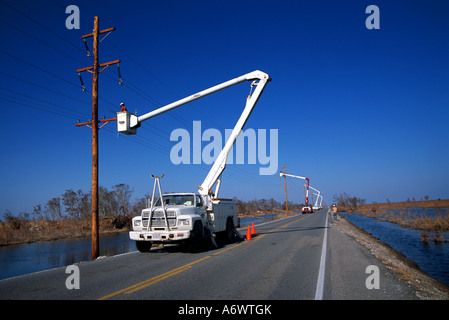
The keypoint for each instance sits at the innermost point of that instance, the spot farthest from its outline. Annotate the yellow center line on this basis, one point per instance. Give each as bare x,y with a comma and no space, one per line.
151,281
158,278
286,225
232,247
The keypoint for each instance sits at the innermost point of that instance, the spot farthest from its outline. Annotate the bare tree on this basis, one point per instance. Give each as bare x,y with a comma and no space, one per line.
139,205
83,205
53,207
69,199
37,212
107,203
345,200
122,193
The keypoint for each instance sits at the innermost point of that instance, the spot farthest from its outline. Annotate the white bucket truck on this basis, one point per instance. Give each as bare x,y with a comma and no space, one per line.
195,218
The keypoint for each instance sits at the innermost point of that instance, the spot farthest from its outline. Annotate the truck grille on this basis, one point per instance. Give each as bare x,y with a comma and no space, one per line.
158,219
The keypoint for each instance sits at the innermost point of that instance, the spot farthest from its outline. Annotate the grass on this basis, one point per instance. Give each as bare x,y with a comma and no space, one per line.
23,231
401,213
407,219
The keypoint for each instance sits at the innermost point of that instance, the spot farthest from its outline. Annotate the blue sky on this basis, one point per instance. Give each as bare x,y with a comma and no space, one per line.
358,111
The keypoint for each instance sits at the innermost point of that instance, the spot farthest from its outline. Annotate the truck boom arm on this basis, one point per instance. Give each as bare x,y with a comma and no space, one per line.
316,201
299,177
320,198
128,123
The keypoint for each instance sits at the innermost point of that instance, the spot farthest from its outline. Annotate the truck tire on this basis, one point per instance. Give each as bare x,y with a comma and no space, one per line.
229,233
195,242
143,246
226,236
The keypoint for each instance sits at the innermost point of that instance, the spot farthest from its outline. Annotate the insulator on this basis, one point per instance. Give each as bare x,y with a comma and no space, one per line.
119,75
87,48
82,83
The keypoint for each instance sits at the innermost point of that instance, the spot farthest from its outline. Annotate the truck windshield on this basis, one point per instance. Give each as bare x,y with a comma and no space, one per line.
177,200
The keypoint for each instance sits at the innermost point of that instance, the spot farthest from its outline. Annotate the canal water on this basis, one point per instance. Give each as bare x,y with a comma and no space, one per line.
433,258
27,258
22,259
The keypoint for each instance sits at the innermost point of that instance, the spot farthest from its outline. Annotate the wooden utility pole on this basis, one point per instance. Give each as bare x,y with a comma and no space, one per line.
285,186
93,124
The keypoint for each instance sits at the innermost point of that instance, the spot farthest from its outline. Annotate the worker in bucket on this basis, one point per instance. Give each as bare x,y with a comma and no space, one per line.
122,107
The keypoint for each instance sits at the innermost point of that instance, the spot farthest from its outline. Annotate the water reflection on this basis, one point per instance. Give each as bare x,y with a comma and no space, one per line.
27,258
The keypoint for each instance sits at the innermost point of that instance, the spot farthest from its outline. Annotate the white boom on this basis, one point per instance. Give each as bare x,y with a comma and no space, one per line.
299,177
128,123
318,195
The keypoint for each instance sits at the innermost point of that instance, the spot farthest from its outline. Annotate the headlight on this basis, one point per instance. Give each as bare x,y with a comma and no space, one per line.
183,222
137,223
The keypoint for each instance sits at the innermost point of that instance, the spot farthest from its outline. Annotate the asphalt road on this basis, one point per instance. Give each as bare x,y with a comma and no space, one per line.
284,261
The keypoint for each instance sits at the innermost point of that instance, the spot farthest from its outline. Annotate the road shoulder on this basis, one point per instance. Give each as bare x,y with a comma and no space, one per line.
403,279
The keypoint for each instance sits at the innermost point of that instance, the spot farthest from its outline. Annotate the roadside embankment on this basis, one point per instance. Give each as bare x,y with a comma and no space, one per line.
427,288
430,217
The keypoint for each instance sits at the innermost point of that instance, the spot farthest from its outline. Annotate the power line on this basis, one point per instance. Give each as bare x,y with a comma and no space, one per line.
47,72
41,87
64,109
35,106
39,40
39,68
131,86
41,25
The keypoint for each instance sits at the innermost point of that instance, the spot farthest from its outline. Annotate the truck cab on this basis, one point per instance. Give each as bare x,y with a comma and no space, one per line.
307,209
172,222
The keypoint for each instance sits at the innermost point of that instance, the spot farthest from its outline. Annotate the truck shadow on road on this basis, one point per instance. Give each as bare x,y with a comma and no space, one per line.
184,248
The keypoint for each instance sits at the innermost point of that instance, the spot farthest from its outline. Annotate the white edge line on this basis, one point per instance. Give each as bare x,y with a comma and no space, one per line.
320,282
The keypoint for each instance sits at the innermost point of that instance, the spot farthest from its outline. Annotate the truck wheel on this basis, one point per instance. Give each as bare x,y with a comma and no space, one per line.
226,236
196,239
143,246
229,233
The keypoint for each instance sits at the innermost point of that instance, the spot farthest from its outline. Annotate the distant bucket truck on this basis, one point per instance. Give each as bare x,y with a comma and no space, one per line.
306,208
197,217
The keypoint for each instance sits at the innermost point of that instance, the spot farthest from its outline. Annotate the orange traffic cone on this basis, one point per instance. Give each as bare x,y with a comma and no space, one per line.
248,234
253,231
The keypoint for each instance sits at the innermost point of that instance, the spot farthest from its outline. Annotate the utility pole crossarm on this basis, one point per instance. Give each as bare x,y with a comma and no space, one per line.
99,32
99,66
